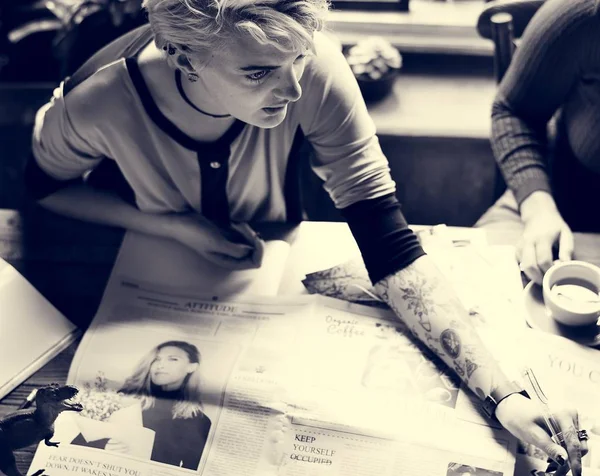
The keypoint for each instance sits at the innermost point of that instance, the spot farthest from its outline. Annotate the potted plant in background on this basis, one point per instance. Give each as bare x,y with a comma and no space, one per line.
375,64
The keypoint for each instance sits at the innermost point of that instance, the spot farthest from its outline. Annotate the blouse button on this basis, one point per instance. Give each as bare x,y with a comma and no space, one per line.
215,165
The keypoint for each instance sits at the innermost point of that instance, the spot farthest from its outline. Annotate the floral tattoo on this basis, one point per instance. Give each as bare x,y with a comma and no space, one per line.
450,341
420,297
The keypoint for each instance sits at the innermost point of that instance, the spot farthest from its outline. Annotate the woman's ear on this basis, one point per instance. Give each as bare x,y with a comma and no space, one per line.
179,57
192,367
184,64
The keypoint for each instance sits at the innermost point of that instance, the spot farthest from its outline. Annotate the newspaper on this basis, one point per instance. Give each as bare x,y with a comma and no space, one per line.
290,386
175,267
486,278
569,375
299,385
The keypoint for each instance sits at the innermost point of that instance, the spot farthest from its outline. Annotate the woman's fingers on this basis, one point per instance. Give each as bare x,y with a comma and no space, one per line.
117,446
259,252
529,263
543,254
234,250
569,431
253,238
582,443
542,440
246,231
566,244
541,234
226,261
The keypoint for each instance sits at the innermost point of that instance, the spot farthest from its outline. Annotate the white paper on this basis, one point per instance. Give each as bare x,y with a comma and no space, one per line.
32,331
569,375
292,386
151,260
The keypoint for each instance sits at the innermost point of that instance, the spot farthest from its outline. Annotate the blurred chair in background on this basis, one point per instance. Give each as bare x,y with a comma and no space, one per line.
503,21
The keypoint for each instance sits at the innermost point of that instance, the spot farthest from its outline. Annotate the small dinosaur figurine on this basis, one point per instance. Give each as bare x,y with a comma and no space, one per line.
27,427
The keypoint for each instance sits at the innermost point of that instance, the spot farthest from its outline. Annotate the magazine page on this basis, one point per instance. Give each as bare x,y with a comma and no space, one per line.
486,278
150,259
568,374
322,245
261,385
371,399
174,385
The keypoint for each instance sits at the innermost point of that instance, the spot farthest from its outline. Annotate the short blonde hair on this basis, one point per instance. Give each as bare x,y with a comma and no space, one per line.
202,26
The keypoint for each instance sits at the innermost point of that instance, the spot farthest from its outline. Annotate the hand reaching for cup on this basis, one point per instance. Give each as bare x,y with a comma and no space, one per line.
543,231
235,247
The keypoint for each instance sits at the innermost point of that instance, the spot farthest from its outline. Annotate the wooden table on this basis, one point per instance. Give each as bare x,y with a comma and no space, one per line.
69,262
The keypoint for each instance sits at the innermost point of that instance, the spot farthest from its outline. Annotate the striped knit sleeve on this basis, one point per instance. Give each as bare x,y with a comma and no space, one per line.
543,71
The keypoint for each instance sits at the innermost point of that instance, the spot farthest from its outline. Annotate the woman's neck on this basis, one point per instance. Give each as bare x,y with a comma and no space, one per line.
160,79
162,392
194,93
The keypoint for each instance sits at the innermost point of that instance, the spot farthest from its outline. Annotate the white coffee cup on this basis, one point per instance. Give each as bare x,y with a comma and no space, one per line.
571,292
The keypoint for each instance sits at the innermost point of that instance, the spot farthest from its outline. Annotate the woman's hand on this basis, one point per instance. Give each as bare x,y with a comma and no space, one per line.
117,446
544,228
525,420
236,247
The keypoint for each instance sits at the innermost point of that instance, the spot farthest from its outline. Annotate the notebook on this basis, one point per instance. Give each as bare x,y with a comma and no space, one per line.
32,331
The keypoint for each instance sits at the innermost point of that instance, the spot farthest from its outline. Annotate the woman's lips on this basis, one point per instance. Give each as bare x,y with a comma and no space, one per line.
274,109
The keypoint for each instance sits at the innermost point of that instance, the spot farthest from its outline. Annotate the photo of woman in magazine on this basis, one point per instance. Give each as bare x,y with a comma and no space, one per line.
165,398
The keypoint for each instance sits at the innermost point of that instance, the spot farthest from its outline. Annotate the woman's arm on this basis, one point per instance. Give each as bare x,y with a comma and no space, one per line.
227,248
423,298
67,145
356,174
556,47
425,301
543,71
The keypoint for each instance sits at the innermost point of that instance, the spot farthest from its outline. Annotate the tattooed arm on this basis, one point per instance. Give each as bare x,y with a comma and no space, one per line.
423,298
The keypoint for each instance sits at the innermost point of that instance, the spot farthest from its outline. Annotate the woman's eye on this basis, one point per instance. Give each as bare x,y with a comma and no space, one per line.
256,77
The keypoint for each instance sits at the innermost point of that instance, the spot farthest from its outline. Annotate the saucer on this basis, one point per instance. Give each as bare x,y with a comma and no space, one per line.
538,317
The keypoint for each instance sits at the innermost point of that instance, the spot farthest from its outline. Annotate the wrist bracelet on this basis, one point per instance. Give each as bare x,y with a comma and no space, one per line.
498,394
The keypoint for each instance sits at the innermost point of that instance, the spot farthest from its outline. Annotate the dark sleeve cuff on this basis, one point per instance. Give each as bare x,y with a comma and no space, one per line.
523,186
382,234
39,184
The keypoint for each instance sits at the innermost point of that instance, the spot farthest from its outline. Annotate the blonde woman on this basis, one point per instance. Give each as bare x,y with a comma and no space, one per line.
165,397
189,128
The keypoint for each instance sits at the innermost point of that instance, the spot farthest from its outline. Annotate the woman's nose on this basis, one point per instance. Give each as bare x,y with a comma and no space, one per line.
290,89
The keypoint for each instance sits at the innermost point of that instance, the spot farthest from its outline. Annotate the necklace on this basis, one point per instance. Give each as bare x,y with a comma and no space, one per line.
190,103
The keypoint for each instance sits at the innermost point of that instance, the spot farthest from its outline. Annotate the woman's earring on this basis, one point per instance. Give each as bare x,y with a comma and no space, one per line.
171,50
192,77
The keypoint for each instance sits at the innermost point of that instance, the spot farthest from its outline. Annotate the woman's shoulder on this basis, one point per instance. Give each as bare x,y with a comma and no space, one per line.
98,94
327,76
329,89
327,55
100,82
567,15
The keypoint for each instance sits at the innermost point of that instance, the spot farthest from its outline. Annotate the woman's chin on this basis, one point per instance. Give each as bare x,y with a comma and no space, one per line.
163,384
268,118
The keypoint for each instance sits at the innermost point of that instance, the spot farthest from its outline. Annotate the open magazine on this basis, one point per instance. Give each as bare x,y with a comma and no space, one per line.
186,372
568,373
307,385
